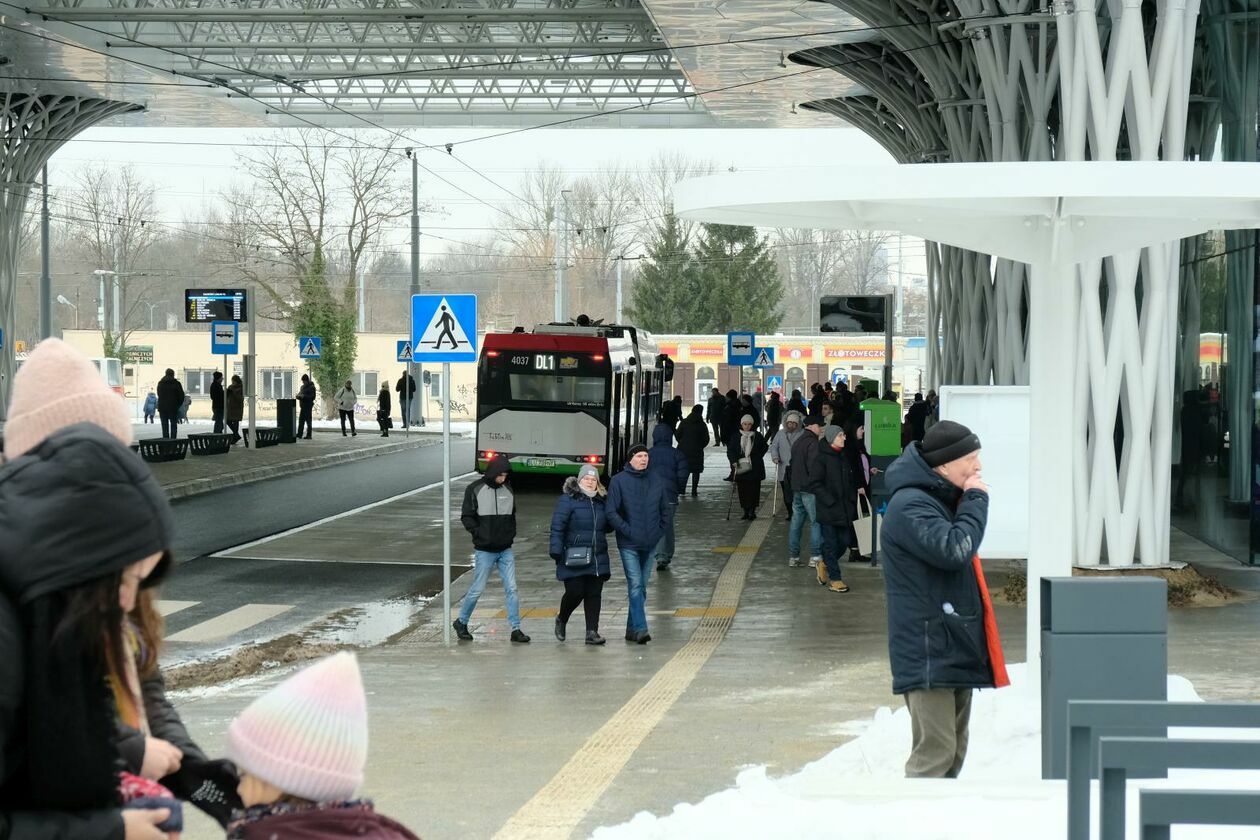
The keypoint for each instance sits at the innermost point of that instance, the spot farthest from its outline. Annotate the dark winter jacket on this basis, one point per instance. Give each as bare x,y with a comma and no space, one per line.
774,412
671,413
384,401
805,472
150,404
411,388
735,451
580,521
716,408
667,465
732,413
917,418
693,438
216,396
170,394
637,508
235,403
834,492
930,534
306,394
335,821
797,404
489,509
76,508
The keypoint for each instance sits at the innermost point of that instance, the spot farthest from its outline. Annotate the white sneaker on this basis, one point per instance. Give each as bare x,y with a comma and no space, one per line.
793,562
814,561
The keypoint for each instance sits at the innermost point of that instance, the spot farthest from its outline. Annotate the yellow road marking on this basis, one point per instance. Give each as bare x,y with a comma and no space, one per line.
733,549
561,805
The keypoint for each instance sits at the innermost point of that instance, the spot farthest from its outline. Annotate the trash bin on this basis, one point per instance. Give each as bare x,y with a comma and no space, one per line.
286,420
883,427
1102,638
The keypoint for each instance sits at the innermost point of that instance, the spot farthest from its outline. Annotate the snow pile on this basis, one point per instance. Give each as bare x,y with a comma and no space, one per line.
858,791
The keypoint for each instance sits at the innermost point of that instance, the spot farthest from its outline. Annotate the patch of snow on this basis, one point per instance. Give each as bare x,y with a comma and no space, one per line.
858,791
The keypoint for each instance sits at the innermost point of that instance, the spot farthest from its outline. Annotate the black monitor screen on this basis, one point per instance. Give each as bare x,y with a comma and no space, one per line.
852,313
204,305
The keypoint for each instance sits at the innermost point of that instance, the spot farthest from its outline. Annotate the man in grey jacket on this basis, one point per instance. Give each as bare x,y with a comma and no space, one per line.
781,453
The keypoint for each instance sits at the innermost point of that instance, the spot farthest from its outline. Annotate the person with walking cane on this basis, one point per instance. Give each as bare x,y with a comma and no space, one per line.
746,452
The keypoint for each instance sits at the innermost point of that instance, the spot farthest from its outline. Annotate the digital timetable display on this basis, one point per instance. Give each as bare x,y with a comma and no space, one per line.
205,305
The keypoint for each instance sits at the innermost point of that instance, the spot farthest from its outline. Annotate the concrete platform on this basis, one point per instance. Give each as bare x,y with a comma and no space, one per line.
196,475
751,663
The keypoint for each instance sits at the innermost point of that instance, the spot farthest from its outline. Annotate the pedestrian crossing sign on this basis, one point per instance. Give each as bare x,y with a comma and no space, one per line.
444,328
309,346
404,351
764,358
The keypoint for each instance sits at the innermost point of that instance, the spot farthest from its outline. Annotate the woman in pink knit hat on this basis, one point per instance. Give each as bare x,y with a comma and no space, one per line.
300,749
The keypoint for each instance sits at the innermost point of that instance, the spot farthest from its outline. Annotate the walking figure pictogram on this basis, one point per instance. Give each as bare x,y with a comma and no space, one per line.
447,323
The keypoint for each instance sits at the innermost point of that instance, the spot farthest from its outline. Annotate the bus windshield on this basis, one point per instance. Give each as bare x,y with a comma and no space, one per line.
543,380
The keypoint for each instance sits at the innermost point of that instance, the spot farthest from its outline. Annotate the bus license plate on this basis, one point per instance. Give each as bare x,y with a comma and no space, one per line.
540,462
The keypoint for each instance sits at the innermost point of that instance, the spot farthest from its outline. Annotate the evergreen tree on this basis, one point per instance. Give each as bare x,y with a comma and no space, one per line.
320,313
739,281
665,293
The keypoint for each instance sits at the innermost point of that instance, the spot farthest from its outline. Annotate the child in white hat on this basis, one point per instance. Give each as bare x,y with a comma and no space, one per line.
300,749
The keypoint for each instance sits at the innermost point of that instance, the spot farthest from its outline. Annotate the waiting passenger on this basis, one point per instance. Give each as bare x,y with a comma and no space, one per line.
346,400
693,437
668,466
579,545
747,454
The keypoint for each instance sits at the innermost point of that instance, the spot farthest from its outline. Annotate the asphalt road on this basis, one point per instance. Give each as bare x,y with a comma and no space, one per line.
380,596
216,521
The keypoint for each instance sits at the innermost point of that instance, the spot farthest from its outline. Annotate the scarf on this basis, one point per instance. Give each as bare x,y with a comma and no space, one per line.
257,813
994,642
746,442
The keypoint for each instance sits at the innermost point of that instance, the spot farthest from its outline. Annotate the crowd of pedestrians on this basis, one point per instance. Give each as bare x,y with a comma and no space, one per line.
90,746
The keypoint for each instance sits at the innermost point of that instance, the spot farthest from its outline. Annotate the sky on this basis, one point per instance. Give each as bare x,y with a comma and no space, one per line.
192,166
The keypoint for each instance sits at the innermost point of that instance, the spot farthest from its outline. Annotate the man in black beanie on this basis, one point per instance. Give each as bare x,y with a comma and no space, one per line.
937,644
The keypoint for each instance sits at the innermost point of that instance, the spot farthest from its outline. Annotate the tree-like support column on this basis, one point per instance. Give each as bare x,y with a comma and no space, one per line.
33,127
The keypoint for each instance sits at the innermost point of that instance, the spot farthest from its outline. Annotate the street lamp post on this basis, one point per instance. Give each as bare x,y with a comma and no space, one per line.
62,300
151,306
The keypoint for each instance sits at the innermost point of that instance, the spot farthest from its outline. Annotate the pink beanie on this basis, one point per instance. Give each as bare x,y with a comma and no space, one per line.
308,736
57,387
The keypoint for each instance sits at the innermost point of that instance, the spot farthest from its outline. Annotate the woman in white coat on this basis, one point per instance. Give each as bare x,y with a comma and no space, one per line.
346,400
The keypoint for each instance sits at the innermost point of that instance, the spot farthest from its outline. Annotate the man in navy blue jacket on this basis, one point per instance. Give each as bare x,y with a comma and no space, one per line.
637,510
937,644
670,468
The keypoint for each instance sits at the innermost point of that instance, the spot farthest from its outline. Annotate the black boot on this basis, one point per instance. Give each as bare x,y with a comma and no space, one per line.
559,629
461,630
593,638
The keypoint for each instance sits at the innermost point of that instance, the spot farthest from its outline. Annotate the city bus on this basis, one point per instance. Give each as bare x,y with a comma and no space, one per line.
562,396
111,372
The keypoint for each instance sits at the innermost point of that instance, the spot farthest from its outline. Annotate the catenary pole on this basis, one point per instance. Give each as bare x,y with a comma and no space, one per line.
446,502
45,275
405,396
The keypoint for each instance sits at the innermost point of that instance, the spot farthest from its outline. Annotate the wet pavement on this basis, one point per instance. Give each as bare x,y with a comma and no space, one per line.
751,662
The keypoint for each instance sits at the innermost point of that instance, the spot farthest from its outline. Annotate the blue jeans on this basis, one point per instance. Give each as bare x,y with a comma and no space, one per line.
664,550
835,541
485,561
637,564
803,505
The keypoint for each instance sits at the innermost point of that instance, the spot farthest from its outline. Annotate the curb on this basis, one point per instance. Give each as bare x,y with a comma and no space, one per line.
199,486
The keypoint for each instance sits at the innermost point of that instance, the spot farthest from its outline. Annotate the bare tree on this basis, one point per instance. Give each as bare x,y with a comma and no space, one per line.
655,191
112,212
864,268
316,205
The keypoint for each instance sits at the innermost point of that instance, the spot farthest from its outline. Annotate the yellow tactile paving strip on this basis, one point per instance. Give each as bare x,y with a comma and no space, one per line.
561,805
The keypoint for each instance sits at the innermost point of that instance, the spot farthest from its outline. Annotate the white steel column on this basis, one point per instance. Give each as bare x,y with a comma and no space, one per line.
1052,327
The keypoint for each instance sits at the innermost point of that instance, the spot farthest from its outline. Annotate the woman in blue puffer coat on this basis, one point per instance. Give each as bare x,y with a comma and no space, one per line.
579,545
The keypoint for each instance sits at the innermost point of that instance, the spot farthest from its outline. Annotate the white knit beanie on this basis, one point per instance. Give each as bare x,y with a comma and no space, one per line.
57,386
308,736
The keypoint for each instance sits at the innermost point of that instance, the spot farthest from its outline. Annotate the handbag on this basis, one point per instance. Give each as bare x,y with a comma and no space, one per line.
577,556
862,525
743,465
382,417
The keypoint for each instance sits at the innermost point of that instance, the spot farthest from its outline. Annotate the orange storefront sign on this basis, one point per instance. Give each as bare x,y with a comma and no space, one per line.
670,350
800,353
856,351
708,351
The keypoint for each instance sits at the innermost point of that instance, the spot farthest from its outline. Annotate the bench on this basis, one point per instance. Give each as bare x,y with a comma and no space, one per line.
266,437
210,444
160,450
1162,809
